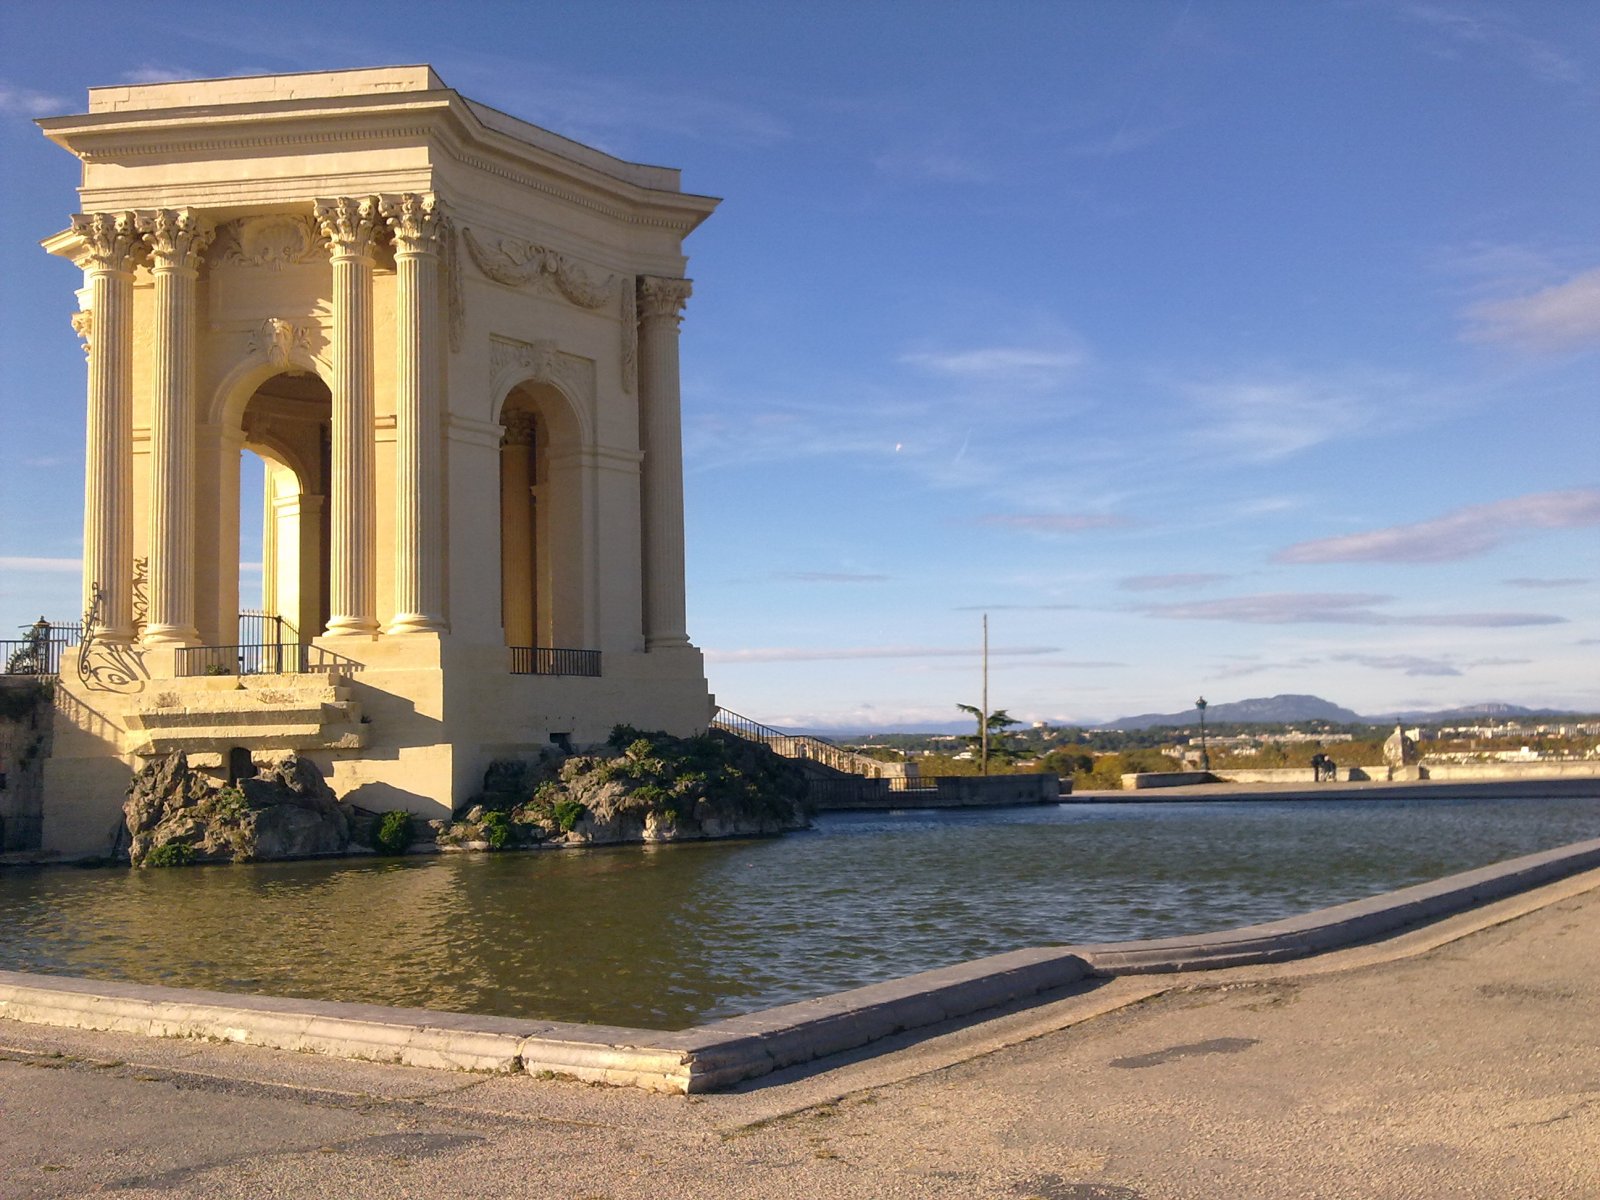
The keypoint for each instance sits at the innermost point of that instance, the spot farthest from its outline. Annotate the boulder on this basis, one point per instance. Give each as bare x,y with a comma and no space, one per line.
286,810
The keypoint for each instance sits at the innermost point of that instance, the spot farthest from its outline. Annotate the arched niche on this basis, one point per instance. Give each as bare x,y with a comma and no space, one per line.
544,553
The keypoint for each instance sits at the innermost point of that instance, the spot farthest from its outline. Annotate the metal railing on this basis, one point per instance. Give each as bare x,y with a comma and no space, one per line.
800,745
551,660
39,650
261,658
260,628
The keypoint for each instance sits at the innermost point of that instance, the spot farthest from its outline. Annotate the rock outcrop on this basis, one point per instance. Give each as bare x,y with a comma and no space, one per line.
176,815
642,787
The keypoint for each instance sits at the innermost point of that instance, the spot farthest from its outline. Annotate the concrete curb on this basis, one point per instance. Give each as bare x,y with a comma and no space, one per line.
725,1052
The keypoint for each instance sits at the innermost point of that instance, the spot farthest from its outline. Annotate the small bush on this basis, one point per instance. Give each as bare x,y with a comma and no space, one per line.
172,854
218,669
392,833
497,830
567,813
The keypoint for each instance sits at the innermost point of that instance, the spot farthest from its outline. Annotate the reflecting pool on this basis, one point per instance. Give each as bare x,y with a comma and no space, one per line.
667,936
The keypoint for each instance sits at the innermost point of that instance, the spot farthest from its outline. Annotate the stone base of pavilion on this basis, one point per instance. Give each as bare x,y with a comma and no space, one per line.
395,722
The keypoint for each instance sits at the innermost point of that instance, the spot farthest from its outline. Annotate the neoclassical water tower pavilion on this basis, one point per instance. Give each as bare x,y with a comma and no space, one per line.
452,337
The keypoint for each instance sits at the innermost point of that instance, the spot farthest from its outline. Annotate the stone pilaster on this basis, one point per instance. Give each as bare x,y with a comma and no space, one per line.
350,227
176,239
417,227
517,600
661,302
106,248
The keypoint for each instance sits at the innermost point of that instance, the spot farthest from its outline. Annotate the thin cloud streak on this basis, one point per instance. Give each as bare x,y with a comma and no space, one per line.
1056,522
22,102
49,566
830,577
1546,583
833,654
1333,608
1564,316
1464,533
1156,583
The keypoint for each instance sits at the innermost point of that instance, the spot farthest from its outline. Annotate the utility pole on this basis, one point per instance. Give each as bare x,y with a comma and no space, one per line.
983,721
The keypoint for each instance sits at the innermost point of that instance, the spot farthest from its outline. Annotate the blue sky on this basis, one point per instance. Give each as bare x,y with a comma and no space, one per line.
1225,348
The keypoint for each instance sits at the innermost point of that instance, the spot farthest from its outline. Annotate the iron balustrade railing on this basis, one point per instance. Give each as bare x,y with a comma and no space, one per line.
259,628
800,745
256,658
261,658
39,650
551,660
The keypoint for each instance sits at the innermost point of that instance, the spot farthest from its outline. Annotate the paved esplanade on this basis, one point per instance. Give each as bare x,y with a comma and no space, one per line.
1461,1060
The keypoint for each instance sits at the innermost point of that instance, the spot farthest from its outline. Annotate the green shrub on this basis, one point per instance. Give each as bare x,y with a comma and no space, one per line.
392,833
171,854
567,813
497,830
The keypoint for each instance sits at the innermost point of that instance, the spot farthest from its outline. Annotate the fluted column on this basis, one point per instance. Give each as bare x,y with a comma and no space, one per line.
350,225
107,247
661,304
176,239
419,493
517,601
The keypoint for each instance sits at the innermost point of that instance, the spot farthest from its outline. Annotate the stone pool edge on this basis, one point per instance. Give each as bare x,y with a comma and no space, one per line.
722,1053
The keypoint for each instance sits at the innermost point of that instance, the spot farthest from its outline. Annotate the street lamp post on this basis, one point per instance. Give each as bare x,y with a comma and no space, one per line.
1205,756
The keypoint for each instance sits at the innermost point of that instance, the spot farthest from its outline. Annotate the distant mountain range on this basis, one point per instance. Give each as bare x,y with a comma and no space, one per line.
1264,710
1289,709
1272,709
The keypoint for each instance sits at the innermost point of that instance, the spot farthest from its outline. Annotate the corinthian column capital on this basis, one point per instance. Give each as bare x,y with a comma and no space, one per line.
177,237
106,241
350,225
660,296
416,220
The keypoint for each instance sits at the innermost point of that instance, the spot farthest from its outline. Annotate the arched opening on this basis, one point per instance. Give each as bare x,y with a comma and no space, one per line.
283,510
541,538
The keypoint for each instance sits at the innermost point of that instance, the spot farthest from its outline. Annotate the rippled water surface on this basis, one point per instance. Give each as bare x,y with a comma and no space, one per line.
666,936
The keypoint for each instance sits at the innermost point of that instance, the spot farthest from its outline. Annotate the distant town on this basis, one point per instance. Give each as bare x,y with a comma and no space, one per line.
1097,757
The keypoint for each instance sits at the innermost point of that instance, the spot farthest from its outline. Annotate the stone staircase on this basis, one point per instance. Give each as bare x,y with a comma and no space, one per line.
815,755
312,711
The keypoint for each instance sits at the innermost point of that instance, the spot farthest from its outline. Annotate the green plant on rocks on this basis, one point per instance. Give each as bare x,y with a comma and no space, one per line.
496,830
393,833
171,854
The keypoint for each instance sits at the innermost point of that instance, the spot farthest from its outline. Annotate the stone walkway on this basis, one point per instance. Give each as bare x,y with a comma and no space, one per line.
1462,1060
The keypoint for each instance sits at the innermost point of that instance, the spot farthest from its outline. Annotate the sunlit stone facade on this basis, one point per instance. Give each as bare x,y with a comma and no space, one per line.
453,338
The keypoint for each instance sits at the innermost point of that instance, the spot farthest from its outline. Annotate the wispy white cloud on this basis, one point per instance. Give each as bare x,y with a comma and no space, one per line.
1333,608
932,161
611,111
1051,523
1464,533
1473,28
1560,316
48,566
24,102
1029,366
829,654
1158,583
152,73
830,577
1546,583
1414,664
1272,415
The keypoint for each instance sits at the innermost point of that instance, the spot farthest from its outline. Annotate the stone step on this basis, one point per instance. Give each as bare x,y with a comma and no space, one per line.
311,711
340,737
